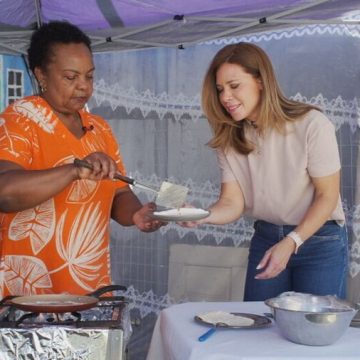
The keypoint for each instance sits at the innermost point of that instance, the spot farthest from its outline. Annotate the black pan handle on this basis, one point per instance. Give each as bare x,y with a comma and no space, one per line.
118,176
6,299
97,293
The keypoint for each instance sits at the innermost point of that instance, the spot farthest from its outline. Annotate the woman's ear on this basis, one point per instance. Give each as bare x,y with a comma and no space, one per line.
38,74
259,81
40,77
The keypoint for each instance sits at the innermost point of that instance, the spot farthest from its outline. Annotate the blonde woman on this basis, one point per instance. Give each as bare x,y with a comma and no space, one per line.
280,165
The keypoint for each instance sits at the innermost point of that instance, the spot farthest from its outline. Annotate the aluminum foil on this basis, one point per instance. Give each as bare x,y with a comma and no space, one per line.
126,324
54,342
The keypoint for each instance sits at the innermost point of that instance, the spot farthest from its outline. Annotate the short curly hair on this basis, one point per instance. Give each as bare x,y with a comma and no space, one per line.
50,34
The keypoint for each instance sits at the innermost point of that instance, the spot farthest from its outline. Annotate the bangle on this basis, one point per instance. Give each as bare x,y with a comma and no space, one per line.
297,240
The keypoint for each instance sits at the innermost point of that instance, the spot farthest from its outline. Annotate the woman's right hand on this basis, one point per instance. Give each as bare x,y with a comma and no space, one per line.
22,189
101,166
275,259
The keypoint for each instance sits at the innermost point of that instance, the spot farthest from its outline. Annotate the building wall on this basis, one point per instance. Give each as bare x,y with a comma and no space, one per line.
10,62
1,83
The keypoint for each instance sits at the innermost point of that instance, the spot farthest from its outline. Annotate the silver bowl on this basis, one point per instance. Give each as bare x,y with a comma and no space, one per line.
310,319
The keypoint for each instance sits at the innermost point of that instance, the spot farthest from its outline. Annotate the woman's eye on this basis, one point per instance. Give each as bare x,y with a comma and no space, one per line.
219,90
71,78
234,86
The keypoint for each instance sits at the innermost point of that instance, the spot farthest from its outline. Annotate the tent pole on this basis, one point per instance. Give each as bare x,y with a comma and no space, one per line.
135,42
143,29
38,13
275,21
12,49
116,38
315,22
253,22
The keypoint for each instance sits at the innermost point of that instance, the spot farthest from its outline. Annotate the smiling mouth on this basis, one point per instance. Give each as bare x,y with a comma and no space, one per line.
232,108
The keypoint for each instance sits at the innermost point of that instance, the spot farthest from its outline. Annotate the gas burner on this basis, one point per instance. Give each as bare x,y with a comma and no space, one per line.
106,313
46,319
103,329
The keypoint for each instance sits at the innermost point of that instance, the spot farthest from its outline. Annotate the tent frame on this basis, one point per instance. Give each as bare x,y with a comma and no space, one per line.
16,41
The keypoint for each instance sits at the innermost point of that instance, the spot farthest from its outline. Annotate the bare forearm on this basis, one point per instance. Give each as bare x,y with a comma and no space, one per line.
23,189
224,212
317,214
327,190
125,205
229,206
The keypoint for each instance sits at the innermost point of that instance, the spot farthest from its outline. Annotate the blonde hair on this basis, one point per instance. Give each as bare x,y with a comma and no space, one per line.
274,109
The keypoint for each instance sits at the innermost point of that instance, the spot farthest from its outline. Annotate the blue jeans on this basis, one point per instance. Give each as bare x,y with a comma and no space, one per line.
319,267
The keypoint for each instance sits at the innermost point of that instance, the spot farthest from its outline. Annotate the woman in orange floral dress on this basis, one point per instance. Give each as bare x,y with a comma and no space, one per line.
54,216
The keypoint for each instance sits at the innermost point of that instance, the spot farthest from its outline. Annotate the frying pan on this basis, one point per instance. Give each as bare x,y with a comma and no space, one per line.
54,303
60,303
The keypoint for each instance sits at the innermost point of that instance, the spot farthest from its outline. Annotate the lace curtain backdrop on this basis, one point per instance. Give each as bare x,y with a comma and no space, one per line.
151,98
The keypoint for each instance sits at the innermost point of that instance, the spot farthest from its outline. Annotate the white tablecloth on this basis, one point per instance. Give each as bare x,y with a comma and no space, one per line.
176,335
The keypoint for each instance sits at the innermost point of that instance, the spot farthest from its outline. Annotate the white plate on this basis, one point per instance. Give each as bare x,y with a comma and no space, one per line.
257,321
181,214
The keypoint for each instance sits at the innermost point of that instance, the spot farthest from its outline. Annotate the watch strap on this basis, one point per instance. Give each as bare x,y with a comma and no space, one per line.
297,240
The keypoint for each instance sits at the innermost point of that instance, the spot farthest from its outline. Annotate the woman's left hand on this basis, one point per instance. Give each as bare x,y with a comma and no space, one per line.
275,259
144,221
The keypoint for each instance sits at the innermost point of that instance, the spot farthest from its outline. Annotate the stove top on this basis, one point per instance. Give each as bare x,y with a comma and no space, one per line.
97,333
107,313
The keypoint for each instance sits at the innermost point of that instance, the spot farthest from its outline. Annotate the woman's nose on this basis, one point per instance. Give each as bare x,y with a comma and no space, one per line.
226,95
84,83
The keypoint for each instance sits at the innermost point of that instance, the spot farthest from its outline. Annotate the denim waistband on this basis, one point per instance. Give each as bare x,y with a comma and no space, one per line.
279,231
329,222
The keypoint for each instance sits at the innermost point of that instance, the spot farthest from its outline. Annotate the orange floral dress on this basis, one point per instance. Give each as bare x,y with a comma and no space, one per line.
61,245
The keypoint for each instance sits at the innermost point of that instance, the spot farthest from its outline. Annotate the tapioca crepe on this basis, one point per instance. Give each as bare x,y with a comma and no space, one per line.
226,318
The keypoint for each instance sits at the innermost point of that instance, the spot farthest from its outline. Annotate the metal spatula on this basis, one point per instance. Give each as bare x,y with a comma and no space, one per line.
169,195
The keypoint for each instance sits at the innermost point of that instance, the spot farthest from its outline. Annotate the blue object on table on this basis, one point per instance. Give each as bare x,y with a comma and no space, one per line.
207,334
